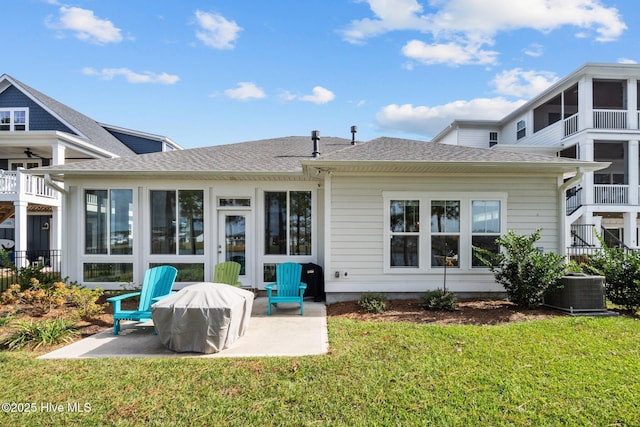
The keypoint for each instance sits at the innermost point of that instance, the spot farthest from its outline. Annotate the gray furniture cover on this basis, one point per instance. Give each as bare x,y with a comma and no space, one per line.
204,317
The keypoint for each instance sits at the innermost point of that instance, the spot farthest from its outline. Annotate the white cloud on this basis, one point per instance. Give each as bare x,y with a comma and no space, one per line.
448,53
319,95
132,77
86,26
244,91
524,84
534,50
459,29
216,31
626,61
429,121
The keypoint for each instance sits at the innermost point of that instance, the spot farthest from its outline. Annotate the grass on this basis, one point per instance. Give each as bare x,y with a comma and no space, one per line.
567,371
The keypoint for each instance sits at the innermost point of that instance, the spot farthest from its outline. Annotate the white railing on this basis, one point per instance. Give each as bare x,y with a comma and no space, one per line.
604,194
571,125
21,183
610,119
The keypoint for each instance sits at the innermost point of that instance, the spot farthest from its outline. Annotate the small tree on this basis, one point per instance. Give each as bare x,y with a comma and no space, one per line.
525,272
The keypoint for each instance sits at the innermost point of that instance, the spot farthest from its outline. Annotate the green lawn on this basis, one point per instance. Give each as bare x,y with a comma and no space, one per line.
567,371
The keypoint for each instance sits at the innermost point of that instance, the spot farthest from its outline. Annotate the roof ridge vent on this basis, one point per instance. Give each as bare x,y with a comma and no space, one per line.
315,137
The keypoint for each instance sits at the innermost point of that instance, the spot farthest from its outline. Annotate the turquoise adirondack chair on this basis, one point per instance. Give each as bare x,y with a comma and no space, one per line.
157,283
227,272
288,286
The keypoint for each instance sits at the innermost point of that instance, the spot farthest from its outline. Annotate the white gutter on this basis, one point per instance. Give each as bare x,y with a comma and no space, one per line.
49,183
577,178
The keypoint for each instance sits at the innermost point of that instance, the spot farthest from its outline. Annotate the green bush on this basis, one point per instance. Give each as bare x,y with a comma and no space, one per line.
621,270
84,300
373,303
439,300
524,272
30,333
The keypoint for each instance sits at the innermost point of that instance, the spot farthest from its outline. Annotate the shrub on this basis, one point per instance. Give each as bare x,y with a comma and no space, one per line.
84,300
373,303
621,270
30,333
5,319
439,300
525,273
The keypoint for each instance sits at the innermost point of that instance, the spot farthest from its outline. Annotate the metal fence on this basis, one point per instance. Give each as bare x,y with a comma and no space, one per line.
20,266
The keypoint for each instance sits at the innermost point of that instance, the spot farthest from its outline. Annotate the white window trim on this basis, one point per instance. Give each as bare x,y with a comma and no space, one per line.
424,241
12,121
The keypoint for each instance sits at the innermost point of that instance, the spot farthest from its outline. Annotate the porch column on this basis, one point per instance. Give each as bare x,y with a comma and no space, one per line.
632,103
585,102
587,153
633,171
630,229
20,228
58,151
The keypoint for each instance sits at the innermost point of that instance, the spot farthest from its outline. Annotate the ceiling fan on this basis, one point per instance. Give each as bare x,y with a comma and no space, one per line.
30,154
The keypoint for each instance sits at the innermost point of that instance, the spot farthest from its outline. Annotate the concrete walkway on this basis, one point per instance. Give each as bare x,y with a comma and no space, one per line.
284,333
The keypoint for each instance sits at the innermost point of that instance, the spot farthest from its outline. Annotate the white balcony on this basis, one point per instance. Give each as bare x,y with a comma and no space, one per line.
19,186
604,194
610,119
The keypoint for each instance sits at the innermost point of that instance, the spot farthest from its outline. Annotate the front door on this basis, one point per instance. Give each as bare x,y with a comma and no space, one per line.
235,243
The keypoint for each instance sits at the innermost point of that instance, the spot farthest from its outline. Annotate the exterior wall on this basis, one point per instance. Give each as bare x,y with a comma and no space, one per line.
138,144
39,118
358,234
478,138
451,138
74,225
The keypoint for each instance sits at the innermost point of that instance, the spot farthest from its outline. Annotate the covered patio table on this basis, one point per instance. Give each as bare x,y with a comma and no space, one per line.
204,317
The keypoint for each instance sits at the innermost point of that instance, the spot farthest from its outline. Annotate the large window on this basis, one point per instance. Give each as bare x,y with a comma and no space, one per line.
445,233
13,119
485,227
108,222
457,221
405,232
177,222
287,222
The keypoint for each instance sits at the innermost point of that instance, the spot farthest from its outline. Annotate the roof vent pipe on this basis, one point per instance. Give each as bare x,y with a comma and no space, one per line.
354,129
315,136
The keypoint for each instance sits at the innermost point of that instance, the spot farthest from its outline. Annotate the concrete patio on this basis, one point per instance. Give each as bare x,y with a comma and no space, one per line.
284,333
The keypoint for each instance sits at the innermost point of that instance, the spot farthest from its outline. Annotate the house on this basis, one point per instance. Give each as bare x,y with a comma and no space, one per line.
388,215
593,114
36,131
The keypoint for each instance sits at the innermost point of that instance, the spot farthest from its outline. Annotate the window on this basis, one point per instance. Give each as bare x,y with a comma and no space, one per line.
108,222
485,227
177,222
405,232
493,138
234,202
13,119
458,221
445,233
287,222
521,129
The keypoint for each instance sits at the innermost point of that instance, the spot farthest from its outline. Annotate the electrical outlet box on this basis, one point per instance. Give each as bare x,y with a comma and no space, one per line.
337,274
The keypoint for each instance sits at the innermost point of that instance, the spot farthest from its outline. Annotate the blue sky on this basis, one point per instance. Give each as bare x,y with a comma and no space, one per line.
215,72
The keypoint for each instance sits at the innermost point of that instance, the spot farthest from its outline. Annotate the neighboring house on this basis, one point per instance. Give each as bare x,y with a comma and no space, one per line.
388,215
36,131
592,114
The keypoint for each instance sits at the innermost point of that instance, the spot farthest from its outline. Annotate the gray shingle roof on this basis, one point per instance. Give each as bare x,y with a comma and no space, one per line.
278,155
289,155
92,131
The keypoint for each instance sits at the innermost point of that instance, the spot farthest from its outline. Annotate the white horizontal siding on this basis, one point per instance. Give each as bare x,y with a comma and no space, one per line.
357,228
474,138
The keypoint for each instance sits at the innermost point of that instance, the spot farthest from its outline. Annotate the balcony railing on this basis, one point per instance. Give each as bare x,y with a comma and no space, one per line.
604,194
22,183
610,119
571,125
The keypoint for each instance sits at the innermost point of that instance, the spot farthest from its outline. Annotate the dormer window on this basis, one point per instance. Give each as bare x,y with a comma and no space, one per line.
493,138
14,119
